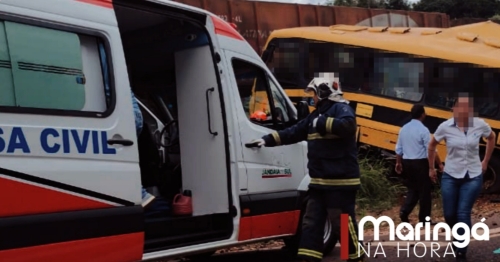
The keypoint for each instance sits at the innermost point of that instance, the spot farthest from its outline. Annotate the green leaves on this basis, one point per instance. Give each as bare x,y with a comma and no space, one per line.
454,8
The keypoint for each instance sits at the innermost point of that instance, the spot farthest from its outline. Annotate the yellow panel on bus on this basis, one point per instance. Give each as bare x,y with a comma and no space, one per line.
364,110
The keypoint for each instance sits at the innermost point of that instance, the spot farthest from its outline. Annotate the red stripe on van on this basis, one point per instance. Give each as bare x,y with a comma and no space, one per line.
101,3
225,29
128,247
282,223
17,198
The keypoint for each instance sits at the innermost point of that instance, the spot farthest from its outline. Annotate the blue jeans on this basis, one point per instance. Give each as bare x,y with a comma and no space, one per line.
459,195
137,115
138,126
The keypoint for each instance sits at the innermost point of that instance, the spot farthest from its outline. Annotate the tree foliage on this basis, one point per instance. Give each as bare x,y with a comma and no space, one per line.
396,4
355,3
381,4
460,8
454,8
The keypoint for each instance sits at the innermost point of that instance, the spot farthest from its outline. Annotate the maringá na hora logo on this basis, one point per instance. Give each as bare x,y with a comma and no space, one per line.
431,236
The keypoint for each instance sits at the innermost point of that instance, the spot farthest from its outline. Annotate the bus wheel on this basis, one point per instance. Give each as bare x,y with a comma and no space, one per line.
329,237
491,178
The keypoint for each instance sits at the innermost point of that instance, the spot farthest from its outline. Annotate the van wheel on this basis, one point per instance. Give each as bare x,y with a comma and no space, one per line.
491,179
329,237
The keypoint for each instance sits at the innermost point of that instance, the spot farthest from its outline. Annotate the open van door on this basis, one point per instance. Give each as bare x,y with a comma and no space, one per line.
275,173
181,65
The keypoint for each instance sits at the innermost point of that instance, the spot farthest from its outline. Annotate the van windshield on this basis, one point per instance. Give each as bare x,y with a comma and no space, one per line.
399,76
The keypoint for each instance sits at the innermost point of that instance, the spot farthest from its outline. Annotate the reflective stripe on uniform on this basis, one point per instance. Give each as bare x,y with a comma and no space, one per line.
276,137
354,237
336,182
310,253
315,136
329,124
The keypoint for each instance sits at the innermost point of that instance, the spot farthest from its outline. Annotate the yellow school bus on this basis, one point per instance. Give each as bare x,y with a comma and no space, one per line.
384,71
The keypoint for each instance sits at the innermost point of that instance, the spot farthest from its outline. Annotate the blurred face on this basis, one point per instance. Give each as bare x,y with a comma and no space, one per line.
463,110
313,95
315,98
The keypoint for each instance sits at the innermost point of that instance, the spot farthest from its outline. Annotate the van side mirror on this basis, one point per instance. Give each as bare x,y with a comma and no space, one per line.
280,118
279,114
302,110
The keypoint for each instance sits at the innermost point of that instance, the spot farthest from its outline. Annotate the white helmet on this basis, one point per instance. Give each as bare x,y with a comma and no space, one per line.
324,87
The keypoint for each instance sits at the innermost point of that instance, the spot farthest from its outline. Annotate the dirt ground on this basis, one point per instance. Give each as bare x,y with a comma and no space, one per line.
483,208
269,250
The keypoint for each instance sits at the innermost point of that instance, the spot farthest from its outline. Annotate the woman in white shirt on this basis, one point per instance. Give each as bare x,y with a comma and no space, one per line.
462,179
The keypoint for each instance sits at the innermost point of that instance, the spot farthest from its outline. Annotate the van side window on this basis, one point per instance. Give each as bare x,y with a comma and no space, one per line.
49,69
252,86
280,104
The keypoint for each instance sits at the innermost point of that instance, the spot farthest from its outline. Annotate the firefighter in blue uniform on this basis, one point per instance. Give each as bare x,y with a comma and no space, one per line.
330,131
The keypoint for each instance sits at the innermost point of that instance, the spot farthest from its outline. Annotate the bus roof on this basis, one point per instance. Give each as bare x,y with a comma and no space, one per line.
477,43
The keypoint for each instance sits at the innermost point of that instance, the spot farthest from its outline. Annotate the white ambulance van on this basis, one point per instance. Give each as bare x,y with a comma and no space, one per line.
72,165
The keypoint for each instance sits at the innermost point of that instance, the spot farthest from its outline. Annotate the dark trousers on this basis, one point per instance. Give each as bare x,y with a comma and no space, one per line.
419,185
322,205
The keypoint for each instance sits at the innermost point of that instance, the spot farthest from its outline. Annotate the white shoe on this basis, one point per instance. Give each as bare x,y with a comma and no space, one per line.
147,198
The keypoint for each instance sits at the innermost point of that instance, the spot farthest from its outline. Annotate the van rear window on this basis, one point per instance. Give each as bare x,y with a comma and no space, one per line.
49,69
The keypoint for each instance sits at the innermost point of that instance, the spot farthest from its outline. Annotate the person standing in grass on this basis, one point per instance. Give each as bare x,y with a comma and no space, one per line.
412,162
462,179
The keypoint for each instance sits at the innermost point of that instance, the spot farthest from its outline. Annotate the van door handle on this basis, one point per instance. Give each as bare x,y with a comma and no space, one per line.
124,142
211,89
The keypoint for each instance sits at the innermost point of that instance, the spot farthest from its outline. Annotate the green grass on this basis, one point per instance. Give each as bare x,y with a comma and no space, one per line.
377,192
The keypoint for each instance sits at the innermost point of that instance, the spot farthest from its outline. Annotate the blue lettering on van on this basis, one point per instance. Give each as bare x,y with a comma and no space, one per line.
65,137
95,141
17,140
81,145
53,141
104,141
45,144
81,141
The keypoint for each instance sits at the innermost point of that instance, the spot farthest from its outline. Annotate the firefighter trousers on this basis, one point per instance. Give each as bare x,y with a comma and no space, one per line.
328,204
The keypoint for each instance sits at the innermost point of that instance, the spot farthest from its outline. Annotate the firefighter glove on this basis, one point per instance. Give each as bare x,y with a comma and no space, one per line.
256,143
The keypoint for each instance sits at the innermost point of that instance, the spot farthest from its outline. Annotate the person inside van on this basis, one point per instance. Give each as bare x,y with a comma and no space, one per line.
146,197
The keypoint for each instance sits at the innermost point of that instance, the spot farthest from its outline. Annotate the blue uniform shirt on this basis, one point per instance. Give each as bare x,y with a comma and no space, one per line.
413,140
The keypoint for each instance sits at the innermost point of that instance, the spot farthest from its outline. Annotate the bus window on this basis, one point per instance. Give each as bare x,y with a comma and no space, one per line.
397,76
351,63
485,102
298,60
449,79
288,61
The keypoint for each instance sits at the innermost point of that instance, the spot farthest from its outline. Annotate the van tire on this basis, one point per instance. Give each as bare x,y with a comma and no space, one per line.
493,176
329,238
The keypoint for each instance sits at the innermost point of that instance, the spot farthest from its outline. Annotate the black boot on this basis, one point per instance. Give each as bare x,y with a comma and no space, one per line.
404,217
